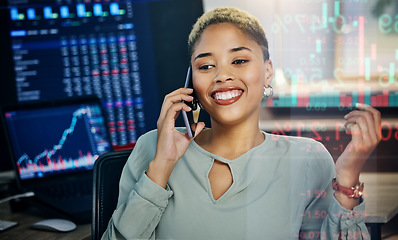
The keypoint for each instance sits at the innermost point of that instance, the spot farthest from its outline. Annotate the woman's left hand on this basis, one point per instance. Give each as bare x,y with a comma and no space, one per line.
364,125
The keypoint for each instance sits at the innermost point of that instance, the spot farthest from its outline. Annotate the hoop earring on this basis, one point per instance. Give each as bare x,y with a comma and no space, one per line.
268,91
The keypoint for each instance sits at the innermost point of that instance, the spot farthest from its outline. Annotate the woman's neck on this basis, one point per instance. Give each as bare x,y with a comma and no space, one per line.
230,142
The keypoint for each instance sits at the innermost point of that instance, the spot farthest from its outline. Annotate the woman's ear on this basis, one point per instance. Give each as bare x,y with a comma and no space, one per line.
269,72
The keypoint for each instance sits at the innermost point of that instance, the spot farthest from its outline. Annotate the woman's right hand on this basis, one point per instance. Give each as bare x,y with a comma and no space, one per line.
171,144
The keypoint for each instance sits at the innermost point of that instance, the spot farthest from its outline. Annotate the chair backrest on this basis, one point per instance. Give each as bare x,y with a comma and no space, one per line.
106,175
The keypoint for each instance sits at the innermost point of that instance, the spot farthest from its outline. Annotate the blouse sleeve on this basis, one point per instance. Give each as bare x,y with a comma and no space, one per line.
141,202
324,217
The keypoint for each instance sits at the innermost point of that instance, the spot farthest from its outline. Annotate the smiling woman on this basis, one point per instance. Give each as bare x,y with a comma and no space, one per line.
234,181
227,61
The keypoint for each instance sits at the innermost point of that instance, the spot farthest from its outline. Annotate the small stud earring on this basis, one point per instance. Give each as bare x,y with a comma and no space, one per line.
268,91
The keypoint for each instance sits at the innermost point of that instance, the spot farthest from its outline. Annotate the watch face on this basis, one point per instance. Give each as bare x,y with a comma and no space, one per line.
358,191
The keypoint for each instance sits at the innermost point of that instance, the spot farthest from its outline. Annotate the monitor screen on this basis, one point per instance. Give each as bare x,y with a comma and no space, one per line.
55,139
115,50
69,49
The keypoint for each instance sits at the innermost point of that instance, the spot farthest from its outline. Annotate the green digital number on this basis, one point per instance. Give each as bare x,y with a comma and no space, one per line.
388,24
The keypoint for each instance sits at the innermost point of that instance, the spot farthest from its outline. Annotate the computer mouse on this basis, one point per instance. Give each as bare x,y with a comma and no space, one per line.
55,225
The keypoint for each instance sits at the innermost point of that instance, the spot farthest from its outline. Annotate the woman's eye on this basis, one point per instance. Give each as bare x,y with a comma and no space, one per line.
240,61
205,67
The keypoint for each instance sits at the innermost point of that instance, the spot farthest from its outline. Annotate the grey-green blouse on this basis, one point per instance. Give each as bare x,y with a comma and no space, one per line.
281,190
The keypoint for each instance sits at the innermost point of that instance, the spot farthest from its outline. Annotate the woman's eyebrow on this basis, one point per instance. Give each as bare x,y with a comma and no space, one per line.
202,55
237,49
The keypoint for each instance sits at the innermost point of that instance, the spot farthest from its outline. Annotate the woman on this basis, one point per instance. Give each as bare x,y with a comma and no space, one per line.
234,181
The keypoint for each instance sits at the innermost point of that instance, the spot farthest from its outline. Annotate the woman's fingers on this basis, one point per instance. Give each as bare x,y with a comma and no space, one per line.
177,96
366,121
375,114
372,116
364,125
174,98
174,110
359,126
360,138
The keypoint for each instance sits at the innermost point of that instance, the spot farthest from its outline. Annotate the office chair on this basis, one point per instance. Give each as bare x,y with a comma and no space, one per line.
106,175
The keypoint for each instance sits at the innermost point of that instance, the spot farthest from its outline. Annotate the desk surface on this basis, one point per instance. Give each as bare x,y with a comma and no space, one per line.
26,218
381,196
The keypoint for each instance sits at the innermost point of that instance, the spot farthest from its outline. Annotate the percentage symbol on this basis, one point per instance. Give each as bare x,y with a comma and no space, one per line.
287,19
281,24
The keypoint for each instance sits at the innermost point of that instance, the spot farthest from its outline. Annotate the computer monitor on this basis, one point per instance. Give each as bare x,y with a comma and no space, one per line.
127,53
49,138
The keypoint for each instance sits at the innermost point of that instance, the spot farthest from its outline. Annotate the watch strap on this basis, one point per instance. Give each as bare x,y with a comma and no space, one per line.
352,192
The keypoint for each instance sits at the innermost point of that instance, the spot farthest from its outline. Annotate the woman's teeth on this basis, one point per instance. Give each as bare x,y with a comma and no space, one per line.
227,95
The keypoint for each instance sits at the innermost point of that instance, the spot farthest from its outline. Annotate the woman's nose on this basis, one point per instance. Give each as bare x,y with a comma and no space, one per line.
224,73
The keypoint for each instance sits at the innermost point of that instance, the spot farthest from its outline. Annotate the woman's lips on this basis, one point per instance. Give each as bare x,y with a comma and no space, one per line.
226,96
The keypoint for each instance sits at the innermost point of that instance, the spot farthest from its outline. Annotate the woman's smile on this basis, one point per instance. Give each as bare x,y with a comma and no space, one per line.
226,96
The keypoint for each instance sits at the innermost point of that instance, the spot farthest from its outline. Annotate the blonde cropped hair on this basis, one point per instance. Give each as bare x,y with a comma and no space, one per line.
241,19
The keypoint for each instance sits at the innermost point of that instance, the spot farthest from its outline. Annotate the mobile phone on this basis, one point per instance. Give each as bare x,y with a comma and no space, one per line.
189,118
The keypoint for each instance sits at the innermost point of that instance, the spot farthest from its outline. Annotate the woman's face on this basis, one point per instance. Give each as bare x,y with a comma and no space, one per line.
229,74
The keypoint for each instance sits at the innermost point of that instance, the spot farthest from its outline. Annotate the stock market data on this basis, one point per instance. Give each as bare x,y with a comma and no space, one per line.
334,53
327,56
65,49
56,140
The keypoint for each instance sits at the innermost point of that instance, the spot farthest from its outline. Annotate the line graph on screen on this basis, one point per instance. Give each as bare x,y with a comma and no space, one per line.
67,154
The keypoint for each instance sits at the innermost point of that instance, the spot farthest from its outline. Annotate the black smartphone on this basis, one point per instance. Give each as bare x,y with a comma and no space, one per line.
189,118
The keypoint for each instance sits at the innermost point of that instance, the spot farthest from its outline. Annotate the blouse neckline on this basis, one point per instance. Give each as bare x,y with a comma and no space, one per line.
236,160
